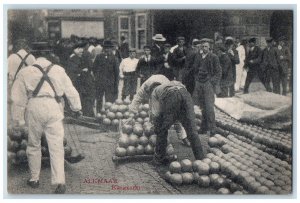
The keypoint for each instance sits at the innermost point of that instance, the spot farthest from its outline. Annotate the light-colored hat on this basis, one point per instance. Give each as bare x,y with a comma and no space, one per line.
91,48
229,38
159,37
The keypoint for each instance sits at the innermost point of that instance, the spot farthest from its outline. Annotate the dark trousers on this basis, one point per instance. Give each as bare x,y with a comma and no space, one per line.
272,75
251,75
188,80
177,105
87,103
110,92
130,83
283,75
225,92
204,96
231,91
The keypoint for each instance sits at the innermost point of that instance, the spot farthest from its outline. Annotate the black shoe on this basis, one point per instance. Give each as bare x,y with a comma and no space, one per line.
60,189
202,131
33,184
165,160
75,159
186,142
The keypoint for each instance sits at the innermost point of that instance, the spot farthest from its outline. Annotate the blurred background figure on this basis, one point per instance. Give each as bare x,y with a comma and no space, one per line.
124,48
284,63
240,70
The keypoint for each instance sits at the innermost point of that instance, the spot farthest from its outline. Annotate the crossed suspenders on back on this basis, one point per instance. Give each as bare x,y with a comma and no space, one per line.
23,62
44,78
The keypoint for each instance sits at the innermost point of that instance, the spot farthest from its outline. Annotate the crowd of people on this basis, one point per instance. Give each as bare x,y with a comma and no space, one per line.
96,68
86,72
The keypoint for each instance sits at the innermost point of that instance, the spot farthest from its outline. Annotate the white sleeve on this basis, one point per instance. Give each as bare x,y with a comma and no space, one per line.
139,97
121,67
19,98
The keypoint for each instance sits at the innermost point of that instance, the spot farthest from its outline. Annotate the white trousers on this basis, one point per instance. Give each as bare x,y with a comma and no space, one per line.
45,115
241,75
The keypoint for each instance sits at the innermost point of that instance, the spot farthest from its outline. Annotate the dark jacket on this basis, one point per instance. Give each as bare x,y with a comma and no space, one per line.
147,68
188,75
106,70
284,63
227,73
158,54
254,55
211,69
178,57
75,64
269,58
124,50
234,61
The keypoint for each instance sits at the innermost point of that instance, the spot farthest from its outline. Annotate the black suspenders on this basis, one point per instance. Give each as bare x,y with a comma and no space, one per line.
23,62
44,78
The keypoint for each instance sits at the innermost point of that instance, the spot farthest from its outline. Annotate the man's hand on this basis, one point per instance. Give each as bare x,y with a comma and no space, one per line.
85,70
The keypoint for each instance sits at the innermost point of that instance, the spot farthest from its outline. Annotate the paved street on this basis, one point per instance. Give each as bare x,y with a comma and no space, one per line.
98,174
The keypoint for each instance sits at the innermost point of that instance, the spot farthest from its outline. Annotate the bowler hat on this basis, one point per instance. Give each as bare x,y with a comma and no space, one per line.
269,39
252,40
80,44
107,43
159,37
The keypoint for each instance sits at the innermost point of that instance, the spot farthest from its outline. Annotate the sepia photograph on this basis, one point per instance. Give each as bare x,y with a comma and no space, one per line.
146,101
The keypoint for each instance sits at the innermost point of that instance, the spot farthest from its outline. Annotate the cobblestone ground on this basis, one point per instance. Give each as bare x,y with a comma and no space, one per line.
99,148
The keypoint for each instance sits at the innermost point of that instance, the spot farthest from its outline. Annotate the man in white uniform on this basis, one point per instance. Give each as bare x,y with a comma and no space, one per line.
38,90
16,61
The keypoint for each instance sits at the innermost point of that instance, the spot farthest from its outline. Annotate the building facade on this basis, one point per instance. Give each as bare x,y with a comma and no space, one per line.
138,26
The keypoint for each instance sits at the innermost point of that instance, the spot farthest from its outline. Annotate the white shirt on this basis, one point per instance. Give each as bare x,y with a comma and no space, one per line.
128,65
143,94
29,77
242,54
14,61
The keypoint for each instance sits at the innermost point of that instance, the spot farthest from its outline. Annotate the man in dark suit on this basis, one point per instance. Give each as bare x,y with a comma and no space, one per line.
178,58
124,48
188,78
106,71
157,50
269,63
207,71
284,63
252,62
147,65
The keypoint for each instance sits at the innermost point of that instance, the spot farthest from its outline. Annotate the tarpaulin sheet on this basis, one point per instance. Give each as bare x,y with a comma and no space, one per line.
265,109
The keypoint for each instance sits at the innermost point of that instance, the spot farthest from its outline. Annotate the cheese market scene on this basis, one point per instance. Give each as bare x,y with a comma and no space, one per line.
150,102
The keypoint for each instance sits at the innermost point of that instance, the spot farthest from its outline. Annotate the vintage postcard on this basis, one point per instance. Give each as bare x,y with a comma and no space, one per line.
150,101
